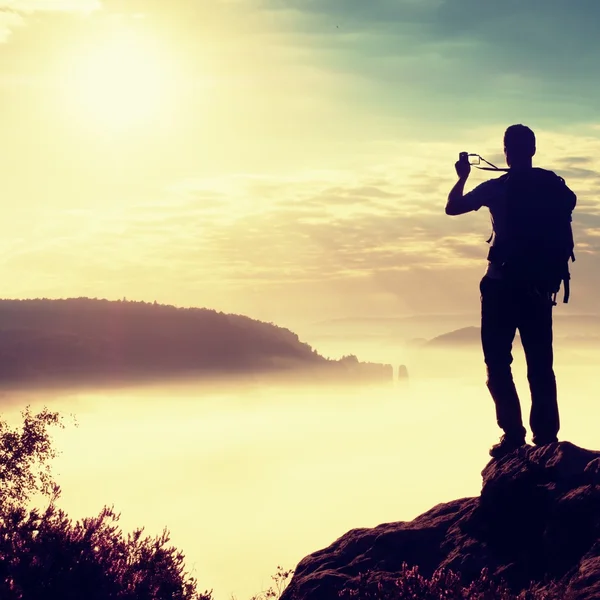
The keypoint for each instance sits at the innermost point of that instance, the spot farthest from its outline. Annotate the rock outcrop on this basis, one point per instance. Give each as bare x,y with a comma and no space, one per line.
403,374
537,520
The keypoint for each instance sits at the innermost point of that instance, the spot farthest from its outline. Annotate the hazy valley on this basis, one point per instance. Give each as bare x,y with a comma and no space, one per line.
288,466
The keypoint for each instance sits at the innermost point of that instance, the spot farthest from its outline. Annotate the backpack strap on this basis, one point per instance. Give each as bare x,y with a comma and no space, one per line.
567,284
503,178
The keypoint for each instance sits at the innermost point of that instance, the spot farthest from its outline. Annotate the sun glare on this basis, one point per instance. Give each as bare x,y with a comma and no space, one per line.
120,83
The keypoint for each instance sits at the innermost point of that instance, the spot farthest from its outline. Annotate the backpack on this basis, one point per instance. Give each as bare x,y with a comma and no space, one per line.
539,243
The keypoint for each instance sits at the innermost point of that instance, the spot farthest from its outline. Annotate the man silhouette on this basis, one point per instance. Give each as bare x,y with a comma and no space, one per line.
509,303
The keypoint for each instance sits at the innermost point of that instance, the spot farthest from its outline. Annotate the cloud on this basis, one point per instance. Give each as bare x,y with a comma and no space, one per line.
362,225
13,13
28,6
31,6
285,252
312,226
454,61
393,89
9,20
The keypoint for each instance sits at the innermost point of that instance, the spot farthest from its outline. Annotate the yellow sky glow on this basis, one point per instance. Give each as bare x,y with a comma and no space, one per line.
119,82
202,154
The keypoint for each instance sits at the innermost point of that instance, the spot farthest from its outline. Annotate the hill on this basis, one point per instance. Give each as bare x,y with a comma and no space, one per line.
410,330
87,340
466,336
471,336
581,330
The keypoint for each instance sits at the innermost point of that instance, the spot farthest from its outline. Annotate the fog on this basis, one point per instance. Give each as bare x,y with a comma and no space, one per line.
250,476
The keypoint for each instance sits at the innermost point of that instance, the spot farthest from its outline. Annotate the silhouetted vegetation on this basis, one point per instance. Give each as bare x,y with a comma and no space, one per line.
276,589
44,555
443,584
25,459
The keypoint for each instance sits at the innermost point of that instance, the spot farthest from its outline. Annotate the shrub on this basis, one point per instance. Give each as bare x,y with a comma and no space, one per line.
25,458
442,585
280,582
44,555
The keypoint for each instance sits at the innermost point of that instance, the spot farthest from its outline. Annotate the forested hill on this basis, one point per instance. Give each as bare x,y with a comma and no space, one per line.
84,338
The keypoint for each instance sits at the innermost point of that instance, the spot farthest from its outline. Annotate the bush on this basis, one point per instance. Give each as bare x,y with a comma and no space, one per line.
280,582
44,555
24,458
442,585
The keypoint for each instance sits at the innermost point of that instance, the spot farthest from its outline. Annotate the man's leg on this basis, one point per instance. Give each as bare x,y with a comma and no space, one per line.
498,328
535,326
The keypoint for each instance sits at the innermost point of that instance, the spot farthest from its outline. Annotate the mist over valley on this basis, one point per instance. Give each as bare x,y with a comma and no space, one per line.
292,461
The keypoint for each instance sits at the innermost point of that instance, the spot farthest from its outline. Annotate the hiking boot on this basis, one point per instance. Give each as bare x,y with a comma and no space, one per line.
505,446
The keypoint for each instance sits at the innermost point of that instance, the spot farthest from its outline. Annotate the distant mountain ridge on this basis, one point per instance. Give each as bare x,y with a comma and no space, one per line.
465,336
471,336
82,338
408,329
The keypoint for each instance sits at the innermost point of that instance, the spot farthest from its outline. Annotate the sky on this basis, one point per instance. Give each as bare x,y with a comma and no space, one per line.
285,159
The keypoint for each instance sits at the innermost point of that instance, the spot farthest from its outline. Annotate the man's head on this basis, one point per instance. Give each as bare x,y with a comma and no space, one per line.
519,145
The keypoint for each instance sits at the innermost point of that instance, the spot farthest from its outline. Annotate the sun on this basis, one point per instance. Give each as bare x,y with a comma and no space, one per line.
119,83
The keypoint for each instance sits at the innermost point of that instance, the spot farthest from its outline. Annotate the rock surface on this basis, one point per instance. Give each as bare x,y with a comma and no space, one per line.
403,373
537,520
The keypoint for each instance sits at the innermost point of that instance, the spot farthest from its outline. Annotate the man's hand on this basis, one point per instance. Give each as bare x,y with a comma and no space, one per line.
463,168
456,204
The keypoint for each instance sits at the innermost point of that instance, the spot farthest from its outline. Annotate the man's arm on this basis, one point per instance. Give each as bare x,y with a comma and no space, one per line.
459,202
455,206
